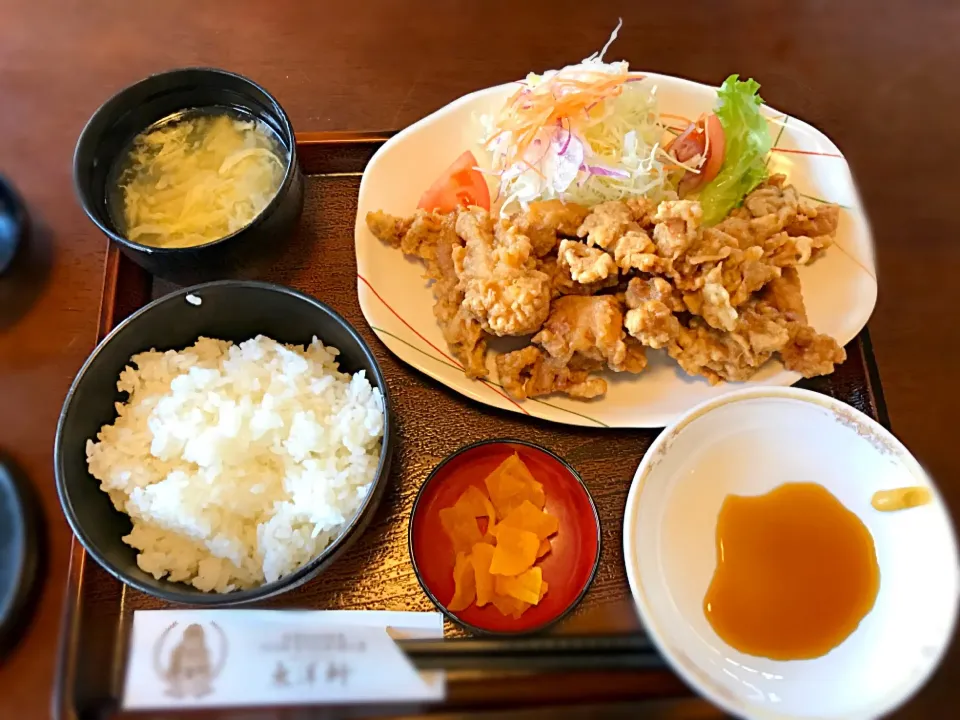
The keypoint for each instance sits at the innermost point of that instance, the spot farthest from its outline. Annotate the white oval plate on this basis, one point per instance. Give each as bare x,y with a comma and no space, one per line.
840,289
747,443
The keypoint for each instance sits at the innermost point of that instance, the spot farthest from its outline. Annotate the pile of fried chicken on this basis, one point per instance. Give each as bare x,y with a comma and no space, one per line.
597,286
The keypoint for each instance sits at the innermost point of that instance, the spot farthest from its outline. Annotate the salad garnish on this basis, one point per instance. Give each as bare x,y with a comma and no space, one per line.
747,144
592,132
586,133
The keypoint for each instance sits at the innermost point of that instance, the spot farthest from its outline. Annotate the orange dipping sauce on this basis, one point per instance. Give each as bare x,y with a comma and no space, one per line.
796,573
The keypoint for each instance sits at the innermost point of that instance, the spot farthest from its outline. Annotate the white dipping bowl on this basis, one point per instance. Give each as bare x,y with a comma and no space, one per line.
747,443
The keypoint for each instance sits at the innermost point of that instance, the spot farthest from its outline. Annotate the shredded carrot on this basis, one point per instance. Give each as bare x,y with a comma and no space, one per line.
569,96
531,167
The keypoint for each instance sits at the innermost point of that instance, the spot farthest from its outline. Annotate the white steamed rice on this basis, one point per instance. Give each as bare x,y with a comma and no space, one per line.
238,463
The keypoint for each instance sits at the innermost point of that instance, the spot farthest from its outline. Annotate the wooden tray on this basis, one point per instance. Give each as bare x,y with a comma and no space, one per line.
598,654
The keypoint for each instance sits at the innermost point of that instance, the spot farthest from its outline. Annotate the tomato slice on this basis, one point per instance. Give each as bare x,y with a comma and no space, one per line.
460,185
704,136
716,150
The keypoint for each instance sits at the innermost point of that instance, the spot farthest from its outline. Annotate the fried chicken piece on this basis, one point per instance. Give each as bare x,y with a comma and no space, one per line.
704,250
587,264
417,235
544,221
703,350
607,223
502,287
718,275
618,226
712,302
650,319
677,227
772,197
774,321
746,231
737,242
528,373
742,273
636,251
810,353
636,357
463,333
586,328
642,210
790,229
711,245
785,250
642,290
717,271
432,238
652,324
815,221
561,283
785,296
745,272
388,228
807,351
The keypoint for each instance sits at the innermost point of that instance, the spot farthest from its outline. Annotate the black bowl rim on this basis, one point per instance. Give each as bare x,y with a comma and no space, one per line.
586,586
17,211
285,583
289,169
10,197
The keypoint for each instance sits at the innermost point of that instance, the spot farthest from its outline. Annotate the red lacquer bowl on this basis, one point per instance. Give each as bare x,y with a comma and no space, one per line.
570,566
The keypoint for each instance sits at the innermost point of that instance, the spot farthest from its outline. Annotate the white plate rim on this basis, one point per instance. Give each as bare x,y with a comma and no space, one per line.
658,450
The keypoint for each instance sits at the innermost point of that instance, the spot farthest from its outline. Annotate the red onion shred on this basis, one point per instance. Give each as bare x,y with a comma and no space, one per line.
606,172
566,144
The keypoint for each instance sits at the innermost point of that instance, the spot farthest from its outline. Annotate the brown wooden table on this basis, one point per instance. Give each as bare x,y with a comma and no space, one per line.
878,76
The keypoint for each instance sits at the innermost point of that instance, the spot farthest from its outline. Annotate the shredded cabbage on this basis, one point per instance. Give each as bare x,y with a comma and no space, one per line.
587,133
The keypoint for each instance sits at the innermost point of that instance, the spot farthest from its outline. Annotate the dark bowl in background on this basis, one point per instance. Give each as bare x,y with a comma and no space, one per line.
13,223
229,310
246,253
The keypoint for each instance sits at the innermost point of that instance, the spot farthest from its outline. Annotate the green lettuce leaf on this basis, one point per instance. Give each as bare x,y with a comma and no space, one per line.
747,144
